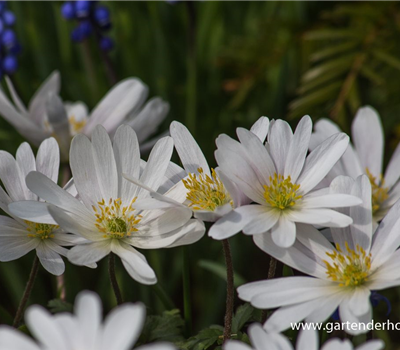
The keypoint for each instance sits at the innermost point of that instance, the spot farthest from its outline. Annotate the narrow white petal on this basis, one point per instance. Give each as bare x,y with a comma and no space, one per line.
83,167
392,172
307,340
368,139
127,158
298,148
262,221
48,159
12,339
321,160
12,248
33,211
260,128
331,201
86,254
279,140
189,152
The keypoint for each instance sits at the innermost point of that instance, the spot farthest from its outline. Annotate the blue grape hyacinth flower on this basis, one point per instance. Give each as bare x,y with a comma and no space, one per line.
92,19
9,45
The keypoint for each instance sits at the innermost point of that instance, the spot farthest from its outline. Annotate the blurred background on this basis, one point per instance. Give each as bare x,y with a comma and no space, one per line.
220,65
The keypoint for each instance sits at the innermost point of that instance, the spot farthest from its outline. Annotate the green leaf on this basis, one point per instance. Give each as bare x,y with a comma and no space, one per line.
220,270
387,58
332,50
341,63
167,327
243,314
57,305
205,339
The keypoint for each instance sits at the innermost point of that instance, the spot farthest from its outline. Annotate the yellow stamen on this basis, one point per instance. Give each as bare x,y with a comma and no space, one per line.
350,268
281,192
42,231
115,221
76,125
378,191
205,192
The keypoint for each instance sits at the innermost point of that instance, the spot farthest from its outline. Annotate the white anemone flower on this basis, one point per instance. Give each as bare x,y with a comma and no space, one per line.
115,215
279,177
365,157
306,340
208,192
18,236
82,330
48,116
341,276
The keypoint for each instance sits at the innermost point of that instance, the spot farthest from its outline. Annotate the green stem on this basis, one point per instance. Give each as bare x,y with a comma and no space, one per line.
27,292
187,305
191,88
230,289
113,279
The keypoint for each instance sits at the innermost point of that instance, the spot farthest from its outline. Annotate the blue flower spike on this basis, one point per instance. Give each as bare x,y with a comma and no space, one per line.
92,19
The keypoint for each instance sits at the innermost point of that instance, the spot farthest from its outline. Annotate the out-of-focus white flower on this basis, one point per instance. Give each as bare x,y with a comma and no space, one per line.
307,340
279,177
47,115
342,276
82,330
365,157
115,215
18,236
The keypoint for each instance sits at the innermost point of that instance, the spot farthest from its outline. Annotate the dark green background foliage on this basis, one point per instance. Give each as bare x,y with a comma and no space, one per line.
245,59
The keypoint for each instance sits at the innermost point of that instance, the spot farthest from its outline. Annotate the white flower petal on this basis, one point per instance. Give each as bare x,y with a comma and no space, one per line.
115,335
284,232
298,148
375,344
392,172
11,177
260,128
279,140
157,165
321,160
86,254
368,139
331,201
146,122
359,301
346,315
117,104
45,328
235,345
105,163
262,221
32,211
264,165
50,260
233,222
83,167
127,158
307,340
189,152
12,248
26,163
48,159
12,339
88,311
134,263
297,256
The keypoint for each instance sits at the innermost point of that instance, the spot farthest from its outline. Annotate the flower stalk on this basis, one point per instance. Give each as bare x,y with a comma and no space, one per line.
27,292
230,290
113,279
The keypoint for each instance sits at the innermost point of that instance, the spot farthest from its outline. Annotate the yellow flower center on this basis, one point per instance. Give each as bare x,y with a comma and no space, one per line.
42,231
350,268
115,221
281,192
205,192
378,191
76,125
